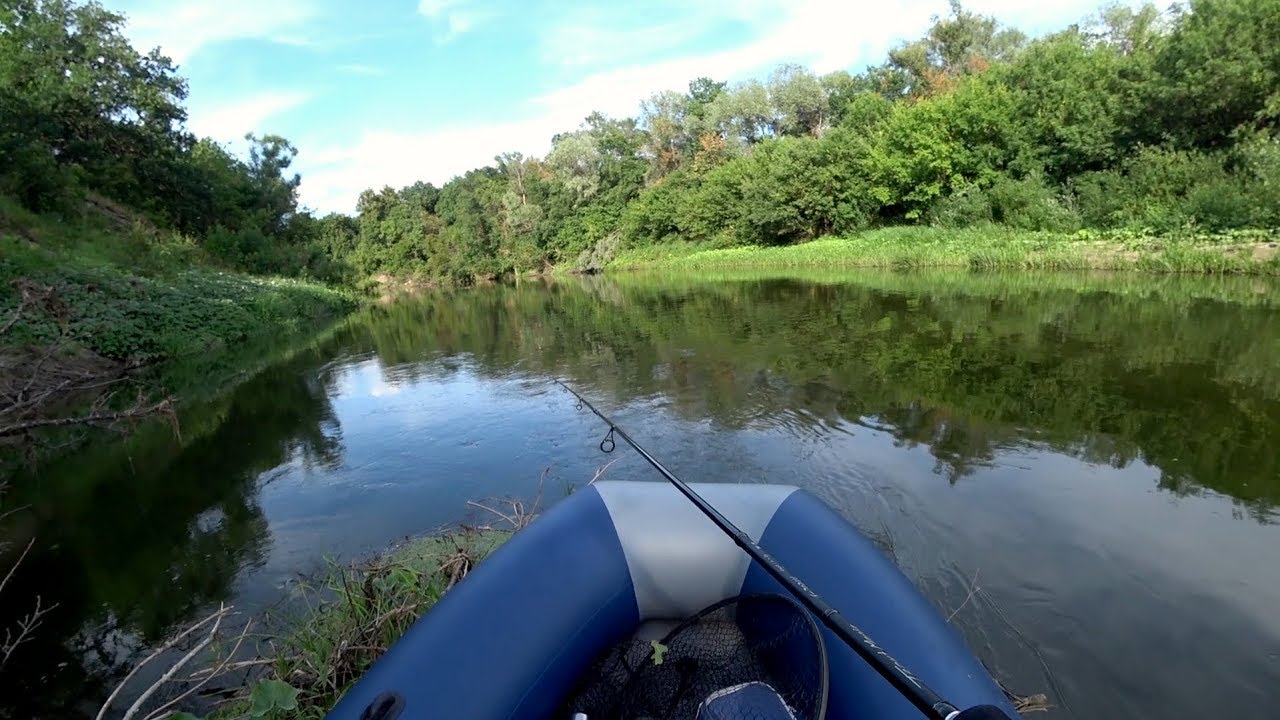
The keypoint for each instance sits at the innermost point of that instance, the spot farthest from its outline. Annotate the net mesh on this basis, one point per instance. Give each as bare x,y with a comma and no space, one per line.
755,657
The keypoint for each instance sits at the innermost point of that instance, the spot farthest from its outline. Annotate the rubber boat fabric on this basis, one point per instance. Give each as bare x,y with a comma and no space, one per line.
516,637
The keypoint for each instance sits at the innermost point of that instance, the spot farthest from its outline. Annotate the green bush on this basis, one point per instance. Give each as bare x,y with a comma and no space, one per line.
970,205
1030,204
1024,204
1168,190
651,218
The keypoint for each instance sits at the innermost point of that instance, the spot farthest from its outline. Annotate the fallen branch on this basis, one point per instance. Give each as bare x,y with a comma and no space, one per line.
173,670
169,645
98,418
209,675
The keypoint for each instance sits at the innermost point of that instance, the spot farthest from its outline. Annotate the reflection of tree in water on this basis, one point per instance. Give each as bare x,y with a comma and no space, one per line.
138,536
966,367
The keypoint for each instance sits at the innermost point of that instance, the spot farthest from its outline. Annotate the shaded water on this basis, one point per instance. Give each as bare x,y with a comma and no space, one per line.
1084,470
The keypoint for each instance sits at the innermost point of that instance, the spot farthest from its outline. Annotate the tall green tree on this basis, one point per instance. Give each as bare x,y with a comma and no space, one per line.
78,96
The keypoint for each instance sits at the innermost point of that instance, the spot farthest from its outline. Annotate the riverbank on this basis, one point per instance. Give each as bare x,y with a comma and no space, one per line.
985,248
305,660
90,307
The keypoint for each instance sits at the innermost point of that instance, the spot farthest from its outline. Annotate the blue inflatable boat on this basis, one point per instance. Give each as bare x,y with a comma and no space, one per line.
626,562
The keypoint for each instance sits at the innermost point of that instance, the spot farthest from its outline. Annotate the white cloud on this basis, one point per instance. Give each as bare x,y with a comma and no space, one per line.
825,35
358,69
821,34
454,15
182,27
333,177
230,121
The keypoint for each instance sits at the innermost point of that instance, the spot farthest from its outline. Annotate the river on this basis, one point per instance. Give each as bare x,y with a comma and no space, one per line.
1083,470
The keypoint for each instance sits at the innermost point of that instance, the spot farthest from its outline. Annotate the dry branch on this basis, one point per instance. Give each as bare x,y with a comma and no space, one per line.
26,626
37,385
98,419
209,673
600,471
215,617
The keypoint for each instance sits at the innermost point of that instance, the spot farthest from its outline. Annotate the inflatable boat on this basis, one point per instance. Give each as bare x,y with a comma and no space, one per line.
600,591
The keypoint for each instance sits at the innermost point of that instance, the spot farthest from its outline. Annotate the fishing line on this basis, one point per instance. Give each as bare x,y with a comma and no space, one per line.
903,680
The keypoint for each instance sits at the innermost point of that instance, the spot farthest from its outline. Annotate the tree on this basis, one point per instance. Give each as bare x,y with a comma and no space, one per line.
276,193
672,128
1076,99
800,102
959,44
86,99
576,160
1220,71
743,114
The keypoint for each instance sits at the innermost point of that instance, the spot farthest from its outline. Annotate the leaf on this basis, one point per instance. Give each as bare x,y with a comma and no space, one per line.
270,695
183,716
659,650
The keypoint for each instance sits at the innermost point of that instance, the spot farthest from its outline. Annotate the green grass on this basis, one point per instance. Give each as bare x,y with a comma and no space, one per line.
116,297
139,296
985,248
1167,288
351,616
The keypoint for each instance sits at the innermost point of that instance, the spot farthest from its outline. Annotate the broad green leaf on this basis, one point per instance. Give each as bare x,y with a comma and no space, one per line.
270,695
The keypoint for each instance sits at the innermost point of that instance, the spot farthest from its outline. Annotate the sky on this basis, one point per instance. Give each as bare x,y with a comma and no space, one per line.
390,92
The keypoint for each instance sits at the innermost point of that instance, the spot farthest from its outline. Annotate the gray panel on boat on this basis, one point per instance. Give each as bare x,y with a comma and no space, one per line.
679,561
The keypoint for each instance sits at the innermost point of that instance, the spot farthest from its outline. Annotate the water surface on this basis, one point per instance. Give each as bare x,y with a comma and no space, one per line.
1080,470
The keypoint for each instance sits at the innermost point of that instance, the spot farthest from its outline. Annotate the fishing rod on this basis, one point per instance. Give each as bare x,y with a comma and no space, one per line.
912,688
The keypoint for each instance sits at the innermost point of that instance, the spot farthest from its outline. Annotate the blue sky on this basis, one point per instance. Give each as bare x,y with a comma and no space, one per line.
388,92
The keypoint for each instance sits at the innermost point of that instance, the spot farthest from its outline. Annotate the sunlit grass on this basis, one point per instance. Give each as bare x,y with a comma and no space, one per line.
986,248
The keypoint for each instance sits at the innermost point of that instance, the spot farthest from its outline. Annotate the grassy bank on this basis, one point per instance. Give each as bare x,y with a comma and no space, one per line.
88,302
355,614
297,663
987,248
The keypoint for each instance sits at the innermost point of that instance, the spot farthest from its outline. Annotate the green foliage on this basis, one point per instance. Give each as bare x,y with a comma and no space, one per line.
1025,204
272,698
354,614
971,125
1175,190
1219,71
137,299
88,116
78,96
1134,119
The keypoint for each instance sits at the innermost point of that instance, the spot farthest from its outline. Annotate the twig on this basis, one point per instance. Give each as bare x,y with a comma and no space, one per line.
26,626
158,712
973,590
17,312
239,665
102,712
600,471
16,563
499,513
